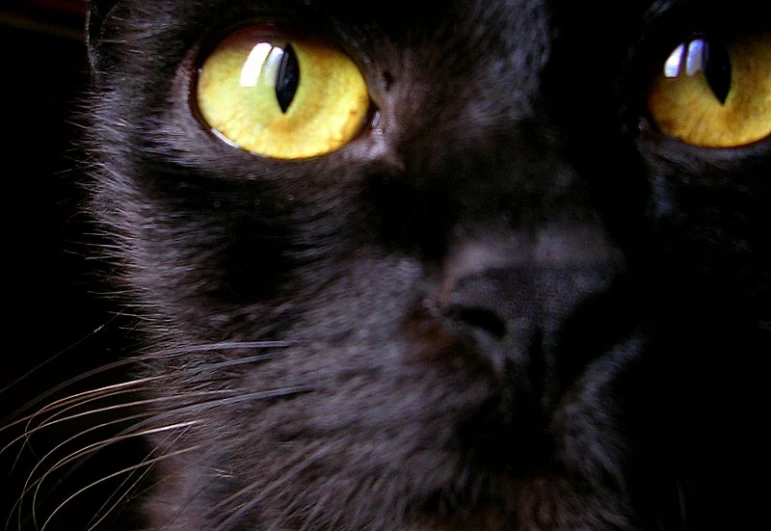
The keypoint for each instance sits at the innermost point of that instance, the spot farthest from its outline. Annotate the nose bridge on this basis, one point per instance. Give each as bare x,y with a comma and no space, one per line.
460,135
553,261
458,104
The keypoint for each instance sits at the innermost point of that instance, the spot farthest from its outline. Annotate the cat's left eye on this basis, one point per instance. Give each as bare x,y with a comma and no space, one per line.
281,95
714,90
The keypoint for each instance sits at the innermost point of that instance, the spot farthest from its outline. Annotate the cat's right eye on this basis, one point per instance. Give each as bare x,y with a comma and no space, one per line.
714,89
281,95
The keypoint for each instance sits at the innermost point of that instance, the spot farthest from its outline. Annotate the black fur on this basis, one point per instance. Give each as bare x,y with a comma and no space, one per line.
515,305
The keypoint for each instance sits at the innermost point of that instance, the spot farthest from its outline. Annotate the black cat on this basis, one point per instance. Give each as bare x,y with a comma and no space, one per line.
469,265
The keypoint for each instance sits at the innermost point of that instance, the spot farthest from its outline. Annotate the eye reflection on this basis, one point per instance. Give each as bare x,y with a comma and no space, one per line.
253,66
674,62
692,59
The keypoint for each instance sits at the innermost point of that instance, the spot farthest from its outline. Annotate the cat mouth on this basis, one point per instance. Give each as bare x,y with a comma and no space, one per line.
526,385
527,461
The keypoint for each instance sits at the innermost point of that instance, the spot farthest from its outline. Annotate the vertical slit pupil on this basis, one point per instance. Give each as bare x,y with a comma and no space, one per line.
288,78
718,70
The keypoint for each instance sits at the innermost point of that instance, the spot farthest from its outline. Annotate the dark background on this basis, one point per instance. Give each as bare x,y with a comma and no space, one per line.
57,325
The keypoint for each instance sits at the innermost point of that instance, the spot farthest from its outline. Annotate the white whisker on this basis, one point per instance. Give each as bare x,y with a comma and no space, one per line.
79,378
123,490
144,463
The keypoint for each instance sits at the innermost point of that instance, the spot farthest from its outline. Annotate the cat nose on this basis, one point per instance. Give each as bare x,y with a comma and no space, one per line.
513,297
496,302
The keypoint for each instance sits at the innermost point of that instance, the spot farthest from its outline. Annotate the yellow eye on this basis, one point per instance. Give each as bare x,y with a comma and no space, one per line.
715,92
282,96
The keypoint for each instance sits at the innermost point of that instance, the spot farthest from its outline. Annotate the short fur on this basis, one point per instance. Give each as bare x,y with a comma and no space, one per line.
515,305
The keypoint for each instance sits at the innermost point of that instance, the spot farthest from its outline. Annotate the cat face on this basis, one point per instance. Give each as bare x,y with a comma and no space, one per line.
469,265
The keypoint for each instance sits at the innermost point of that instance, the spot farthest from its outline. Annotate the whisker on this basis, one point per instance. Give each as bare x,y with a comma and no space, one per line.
113,397
97,446
30,484
232,397
123,490
90,450
129,432
144,463
293,471
317,508
69,403
150,401
229,345
53,420
133,360
240,361
72,381
57,355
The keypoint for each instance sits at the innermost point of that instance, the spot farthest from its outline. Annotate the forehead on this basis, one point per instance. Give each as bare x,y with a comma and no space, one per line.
431,18
435,20
424,13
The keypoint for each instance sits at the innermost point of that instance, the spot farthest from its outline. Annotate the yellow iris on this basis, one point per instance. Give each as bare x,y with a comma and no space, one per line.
282,96
715,94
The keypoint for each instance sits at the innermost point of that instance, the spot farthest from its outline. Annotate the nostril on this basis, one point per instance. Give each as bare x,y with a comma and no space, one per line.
479,318
483,302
